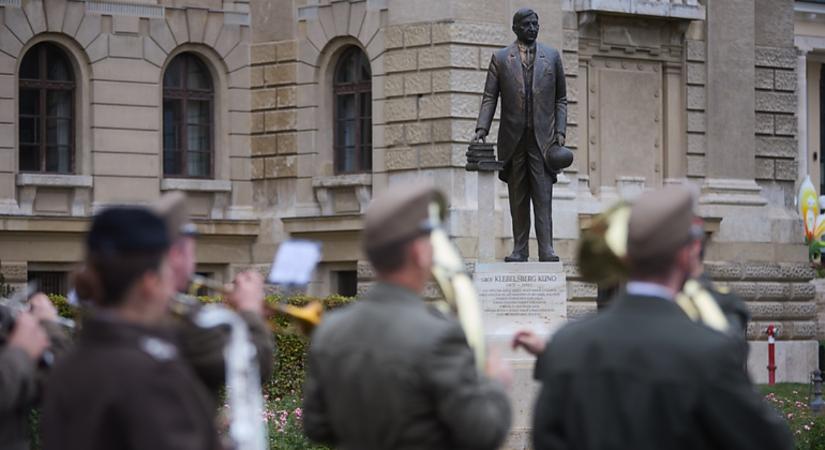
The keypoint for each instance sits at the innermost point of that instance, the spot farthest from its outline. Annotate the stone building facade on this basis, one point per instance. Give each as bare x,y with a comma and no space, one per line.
315,106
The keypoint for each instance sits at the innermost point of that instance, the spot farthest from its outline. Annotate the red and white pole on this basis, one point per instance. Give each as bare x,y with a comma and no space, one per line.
771,354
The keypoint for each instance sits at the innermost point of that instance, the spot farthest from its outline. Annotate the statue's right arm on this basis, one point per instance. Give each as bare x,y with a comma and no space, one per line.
490,97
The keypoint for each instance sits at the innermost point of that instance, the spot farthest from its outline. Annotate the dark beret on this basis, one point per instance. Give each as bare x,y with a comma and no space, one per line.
400,214
127,229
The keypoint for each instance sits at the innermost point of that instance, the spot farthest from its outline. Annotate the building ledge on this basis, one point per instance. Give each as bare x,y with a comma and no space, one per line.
246,228
672,9
334,181
54,180
195,185
323,224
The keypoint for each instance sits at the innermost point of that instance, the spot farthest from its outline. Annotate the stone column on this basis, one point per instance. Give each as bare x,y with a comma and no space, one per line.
802,109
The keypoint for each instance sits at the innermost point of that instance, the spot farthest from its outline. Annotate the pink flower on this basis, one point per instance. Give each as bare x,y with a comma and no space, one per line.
299,412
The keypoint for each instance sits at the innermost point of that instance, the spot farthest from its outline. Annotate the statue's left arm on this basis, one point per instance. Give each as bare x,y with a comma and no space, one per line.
561,101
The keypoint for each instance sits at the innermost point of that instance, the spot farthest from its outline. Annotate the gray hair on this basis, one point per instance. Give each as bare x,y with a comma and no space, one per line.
523,13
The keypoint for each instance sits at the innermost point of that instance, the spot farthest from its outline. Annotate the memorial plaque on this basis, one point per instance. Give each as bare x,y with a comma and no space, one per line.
517,296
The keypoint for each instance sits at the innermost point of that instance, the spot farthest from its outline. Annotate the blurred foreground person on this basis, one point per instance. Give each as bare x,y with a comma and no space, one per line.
389,372
24,339
203,348
124,386
641,374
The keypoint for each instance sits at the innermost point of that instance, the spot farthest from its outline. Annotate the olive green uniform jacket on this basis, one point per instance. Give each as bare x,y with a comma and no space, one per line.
126,387
390,373
641,375
21,382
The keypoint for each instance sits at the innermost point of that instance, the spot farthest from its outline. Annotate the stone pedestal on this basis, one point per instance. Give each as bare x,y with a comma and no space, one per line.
513,297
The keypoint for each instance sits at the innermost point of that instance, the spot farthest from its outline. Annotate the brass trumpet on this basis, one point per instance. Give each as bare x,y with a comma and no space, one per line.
306,317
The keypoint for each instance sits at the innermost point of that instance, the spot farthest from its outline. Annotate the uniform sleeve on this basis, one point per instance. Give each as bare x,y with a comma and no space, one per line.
474,408
548,423
730,404
18,382
315,413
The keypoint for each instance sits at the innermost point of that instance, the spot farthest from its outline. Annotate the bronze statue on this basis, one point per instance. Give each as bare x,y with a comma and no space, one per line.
529,77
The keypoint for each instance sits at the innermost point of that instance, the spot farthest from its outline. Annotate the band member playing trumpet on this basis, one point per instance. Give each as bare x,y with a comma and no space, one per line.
125,384
203,347
389,372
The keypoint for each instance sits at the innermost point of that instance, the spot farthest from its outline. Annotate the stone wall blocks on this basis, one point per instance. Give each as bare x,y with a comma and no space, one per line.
571,63
696,73
580,310
785,80
9,43
571,41
777,147
696,166
777,271
394,37
696,122
777,58
36,15
161,34
418,132
764,123
287,143
89,29
471,33
228,39
803,291
775,102
581,289
393,134
264,145
765,169
214,25
370,26
281,120
435,106
18,23
340,18
125,46
287,51
238,57
695,50
98,49
393,85
72,17
785,125
465,81
264,53
724,270
401,109
153,53
764,78
696,144
417,83
459,56
696,98
241,78
430,156
403,158
287,97
280,74
265,99
401,61
196,23
786,170
257,122
417,35
178,24
357,11
280,166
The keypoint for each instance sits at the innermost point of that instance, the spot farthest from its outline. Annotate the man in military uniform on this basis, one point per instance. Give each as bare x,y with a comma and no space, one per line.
24,339
203,347
389,372
641,374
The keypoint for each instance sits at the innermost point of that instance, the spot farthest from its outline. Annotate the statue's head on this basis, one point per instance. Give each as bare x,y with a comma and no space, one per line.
526,25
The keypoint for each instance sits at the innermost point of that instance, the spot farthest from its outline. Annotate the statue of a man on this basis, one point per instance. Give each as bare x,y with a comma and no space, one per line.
529,77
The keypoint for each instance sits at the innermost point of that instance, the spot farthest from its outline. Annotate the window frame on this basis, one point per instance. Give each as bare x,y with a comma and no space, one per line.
358,88
182,95
42,85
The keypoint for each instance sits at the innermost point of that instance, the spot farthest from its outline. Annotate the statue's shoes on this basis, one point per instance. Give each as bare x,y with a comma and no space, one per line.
515,258
550,258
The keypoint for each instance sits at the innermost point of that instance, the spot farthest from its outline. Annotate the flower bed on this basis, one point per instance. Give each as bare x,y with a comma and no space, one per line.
791,400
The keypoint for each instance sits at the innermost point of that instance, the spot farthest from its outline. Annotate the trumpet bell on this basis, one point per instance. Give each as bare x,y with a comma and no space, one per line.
603,247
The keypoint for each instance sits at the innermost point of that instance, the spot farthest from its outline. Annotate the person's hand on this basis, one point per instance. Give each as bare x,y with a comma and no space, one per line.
529,341
498,369
42,308
480,135
248,293
560,139
29,336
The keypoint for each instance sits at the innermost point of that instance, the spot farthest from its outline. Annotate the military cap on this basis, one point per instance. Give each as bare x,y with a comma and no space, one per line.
660,224
171,207
399,215
127,229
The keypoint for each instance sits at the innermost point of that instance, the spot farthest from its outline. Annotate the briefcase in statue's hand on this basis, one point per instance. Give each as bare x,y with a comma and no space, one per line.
557,157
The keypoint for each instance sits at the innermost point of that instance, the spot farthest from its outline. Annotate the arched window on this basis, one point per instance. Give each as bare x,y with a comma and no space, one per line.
188,96
352,89
46,108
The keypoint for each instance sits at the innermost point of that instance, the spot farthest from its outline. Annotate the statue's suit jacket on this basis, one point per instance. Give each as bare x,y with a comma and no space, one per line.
505,78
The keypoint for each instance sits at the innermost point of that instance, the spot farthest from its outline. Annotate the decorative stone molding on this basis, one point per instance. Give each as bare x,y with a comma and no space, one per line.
718,191
125,9
327,188
54,180
674,9
198,185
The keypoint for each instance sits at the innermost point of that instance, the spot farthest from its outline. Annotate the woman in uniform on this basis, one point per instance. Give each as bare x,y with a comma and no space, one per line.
124,386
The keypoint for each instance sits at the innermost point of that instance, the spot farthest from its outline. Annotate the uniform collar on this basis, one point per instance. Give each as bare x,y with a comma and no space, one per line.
383,292
646,289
